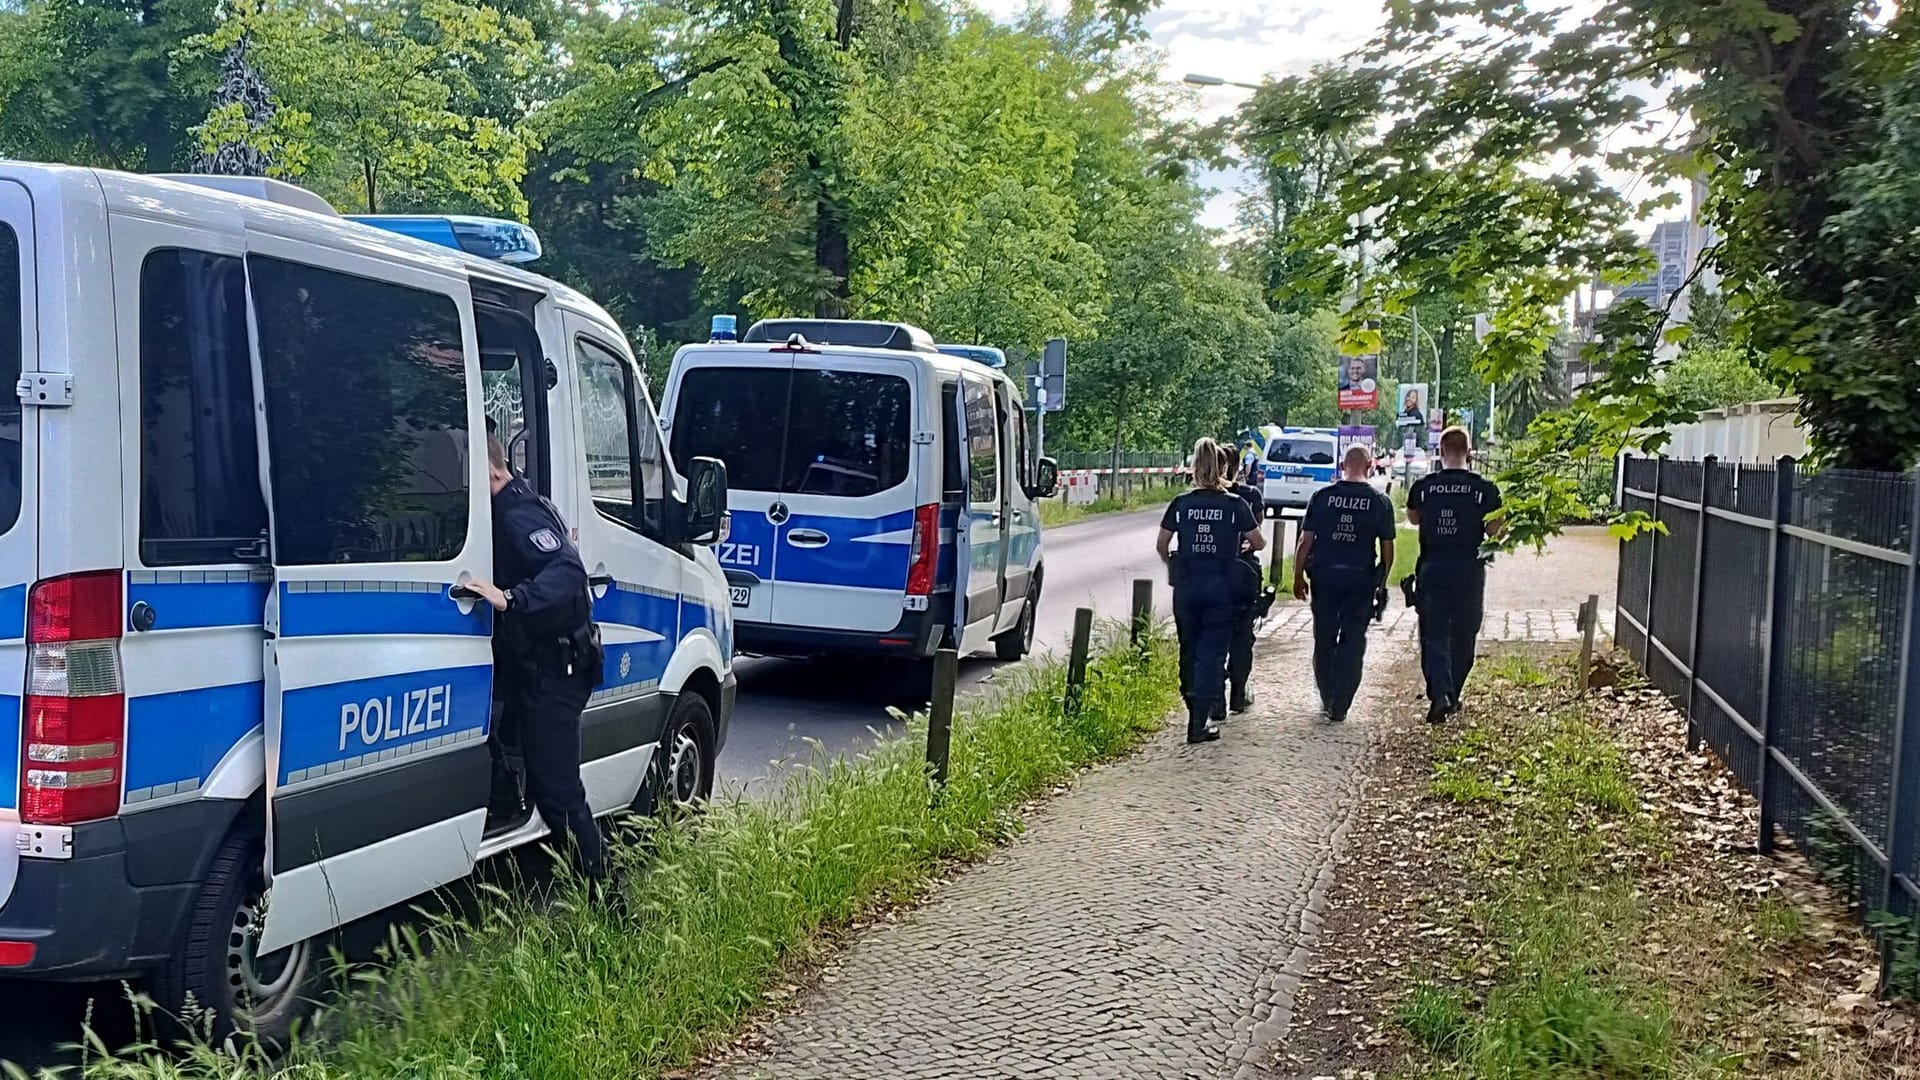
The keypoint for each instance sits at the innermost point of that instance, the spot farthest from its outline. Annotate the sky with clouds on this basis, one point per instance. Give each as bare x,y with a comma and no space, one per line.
1244,41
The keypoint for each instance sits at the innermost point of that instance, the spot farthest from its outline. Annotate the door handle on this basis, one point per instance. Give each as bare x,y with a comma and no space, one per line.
599,581
807,538
462,594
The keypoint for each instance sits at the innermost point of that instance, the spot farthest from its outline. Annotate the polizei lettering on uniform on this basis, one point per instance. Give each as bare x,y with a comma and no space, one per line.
384,719
1199,514
1450,489
1349,502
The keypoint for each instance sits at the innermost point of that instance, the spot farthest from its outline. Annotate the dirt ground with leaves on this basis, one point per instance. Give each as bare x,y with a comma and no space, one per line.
1673,933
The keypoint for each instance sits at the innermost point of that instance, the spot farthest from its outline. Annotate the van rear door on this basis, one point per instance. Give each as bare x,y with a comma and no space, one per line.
19,466
733,407
848,480
378,666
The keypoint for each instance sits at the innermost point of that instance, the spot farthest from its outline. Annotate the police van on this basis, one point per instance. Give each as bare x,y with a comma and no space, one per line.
1298,462
242,486
883,494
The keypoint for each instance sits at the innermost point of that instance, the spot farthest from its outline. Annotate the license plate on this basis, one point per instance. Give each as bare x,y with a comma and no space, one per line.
1294,474
741,595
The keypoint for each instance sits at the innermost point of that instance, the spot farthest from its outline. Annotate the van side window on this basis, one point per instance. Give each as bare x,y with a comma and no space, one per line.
953,442
366,396
983,437
13,336
200,497
626,471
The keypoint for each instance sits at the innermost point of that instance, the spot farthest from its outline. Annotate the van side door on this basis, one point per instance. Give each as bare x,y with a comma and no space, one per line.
378,664
20,336
619,474
1022,517
985,515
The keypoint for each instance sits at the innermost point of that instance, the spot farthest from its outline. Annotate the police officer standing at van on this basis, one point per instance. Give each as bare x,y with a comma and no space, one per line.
546,650
1344,522
1240,649
1454,509
1212,526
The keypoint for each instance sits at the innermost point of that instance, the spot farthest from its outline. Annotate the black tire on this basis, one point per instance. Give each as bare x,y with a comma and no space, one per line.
680,776
216,969
1016,643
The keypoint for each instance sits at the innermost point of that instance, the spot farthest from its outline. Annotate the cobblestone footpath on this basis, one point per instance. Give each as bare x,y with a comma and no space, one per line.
1555,624
1154,921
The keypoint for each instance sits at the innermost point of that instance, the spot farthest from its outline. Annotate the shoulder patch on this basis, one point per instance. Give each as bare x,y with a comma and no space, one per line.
545,540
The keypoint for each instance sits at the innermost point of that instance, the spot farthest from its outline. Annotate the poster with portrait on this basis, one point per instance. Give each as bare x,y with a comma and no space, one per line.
1359,382
1411,410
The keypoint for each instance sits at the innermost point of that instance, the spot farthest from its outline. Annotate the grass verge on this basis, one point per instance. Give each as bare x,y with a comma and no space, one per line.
1406,552
716,920
1606,922
1057,512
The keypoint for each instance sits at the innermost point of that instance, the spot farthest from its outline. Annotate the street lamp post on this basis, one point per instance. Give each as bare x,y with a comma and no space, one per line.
1195,79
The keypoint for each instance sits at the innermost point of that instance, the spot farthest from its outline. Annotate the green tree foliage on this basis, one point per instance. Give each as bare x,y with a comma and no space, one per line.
1714,377
92,82
380,104
1486,123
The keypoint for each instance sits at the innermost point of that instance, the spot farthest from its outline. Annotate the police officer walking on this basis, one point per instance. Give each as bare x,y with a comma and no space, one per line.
547,651
1240,648
1454,509
1210,583
1344,522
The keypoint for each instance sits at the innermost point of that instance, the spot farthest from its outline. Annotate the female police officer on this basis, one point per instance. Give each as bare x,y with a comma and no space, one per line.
1209,583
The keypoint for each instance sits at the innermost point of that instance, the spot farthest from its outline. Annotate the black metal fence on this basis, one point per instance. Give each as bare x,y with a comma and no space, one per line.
1778,610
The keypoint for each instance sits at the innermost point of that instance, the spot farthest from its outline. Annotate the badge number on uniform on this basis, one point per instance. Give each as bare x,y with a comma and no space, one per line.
545,540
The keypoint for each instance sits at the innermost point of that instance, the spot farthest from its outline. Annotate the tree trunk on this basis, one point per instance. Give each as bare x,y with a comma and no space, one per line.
373,196
830,250
843,26
1446,365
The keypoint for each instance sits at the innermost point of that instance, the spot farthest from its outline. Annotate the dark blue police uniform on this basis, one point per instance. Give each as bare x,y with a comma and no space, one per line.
1450,582
546,659
1348,519
1240,648
1209,589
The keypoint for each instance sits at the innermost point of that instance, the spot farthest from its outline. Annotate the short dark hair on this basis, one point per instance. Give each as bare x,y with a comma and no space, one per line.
1454,441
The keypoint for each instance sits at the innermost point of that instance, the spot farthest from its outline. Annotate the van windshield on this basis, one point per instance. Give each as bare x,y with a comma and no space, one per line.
12,338
1300,452
808,432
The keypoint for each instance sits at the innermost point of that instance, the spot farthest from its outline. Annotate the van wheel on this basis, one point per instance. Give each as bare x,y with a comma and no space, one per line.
680,776
1016,643
219,969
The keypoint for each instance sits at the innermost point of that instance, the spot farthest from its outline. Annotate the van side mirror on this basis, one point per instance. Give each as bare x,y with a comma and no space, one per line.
1046,479
706,509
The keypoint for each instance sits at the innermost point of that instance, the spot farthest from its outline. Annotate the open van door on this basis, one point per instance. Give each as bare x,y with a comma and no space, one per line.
378,663
19,471
983,519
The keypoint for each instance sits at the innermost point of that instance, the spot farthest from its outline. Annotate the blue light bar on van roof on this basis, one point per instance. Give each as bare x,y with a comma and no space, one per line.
490,238
985,354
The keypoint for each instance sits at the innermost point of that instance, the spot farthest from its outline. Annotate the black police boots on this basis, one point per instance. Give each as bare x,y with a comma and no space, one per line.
1200,727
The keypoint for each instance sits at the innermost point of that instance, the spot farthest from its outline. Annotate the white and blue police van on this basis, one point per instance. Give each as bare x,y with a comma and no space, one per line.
883,492
1297,462
244,695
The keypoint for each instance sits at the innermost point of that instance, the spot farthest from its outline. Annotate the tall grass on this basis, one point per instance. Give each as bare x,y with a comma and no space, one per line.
709,924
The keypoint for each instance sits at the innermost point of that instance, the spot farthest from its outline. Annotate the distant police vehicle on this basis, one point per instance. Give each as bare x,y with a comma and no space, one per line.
1297,462
242,484
882,491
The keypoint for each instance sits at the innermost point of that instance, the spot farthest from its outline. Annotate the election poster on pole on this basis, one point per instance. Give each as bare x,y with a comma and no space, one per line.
1359,383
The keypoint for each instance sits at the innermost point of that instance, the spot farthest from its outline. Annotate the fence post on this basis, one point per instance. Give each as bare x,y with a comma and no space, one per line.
1707,465
1770,646
1077,657
1653,563
946,672
1276,550
1903,826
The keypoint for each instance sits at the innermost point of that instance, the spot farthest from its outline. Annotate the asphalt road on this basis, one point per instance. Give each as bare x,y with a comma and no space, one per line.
792,710
842,704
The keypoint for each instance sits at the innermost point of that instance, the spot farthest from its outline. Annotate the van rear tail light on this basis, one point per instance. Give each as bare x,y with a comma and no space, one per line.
73,720
925,556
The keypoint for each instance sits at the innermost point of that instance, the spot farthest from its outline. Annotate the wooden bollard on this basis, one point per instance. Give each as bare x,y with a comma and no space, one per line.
1142,610
1277,550
1589,615
946,673
1077,657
